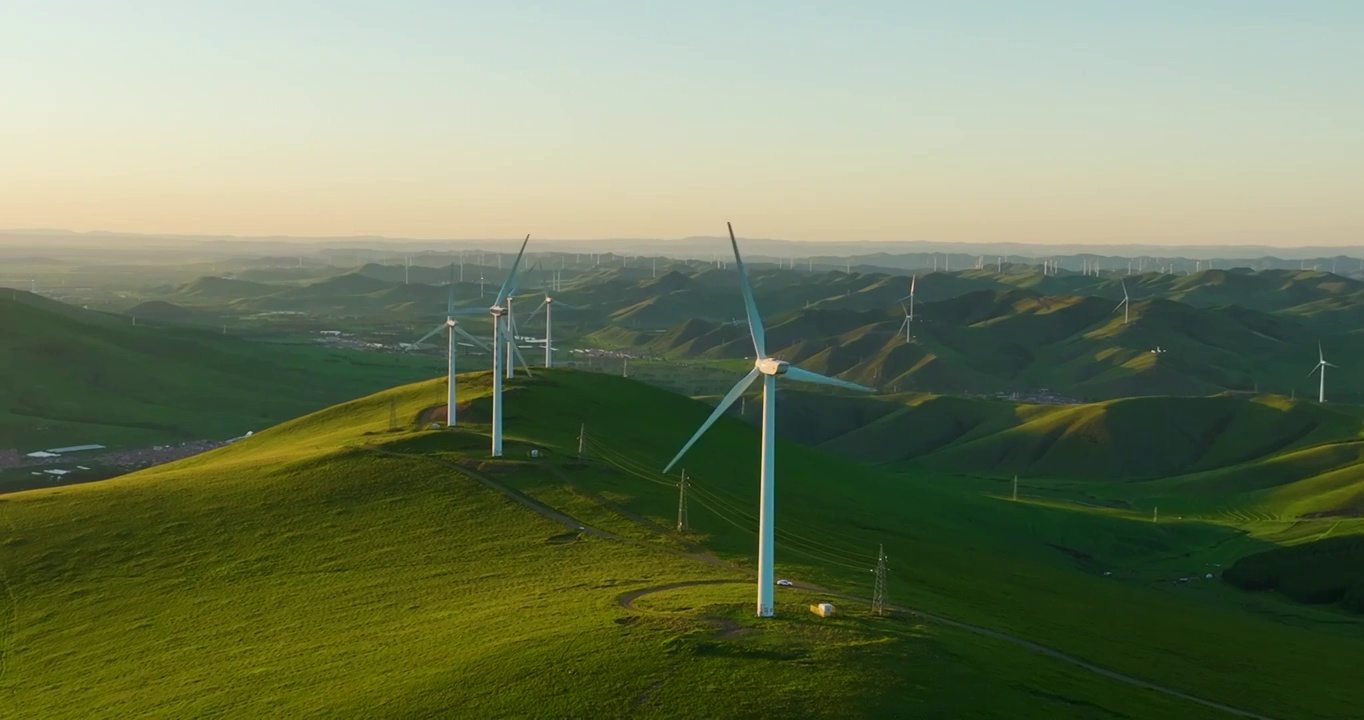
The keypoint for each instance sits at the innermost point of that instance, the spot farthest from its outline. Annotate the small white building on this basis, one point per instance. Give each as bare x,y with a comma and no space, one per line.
41,454
823,609
75,448
58,473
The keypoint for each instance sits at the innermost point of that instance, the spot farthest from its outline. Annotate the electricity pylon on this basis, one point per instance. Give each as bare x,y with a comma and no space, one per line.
880,599
682,503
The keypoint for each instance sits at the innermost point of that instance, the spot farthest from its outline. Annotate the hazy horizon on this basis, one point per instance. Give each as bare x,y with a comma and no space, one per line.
1060,123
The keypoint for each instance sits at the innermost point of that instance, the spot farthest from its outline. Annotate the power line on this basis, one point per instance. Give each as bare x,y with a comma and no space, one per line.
727,510
827,551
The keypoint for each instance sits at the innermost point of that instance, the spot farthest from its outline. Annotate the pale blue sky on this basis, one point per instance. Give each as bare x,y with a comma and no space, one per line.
1041,121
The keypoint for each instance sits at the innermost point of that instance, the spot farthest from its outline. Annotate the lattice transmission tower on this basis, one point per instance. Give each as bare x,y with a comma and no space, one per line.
880,598
682,503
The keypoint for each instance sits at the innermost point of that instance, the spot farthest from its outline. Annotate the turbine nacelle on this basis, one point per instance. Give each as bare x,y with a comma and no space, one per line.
771,366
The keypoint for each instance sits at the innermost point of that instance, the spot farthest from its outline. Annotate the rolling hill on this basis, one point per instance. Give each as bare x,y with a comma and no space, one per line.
74,376
1015,340
329,567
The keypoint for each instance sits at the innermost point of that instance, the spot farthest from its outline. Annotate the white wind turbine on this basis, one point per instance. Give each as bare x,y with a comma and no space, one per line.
501,333
513,350
1321,365
548,306
451,326
908,325
768,368
1125,305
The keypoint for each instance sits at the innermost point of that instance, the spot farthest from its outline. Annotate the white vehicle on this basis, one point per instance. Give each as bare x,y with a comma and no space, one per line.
785,583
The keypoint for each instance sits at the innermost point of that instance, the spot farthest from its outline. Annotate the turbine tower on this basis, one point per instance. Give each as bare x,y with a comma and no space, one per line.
452,328
768,368
1125,305
497,310
1321,365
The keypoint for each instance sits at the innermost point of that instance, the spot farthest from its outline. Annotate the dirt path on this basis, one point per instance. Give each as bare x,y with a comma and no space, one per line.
627,600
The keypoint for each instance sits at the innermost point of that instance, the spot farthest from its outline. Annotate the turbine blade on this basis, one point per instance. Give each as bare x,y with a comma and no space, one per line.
1321,357
1323,362
720,409
510,282
902,326
516,349
465,334
1119,307
450,300
912,280
537,310
1314,370
428,335
800,375
755,322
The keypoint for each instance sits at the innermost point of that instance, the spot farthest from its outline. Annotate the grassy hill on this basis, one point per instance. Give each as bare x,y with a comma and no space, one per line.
1014,340
74,376
328,567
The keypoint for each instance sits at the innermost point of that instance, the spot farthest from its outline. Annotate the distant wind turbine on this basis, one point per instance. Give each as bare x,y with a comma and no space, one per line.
1126,302
452,328
1321,366
908,325
768,368
548,306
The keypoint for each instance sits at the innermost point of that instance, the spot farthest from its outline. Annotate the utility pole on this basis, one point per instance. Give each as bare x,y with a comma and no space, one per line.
1155,514
682,503
582,440
1015,488
625,367
880,599
392,415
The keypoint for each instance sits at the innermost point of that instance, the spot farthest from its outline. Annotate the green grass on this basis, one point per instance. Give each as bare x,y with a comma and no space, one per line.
1325,572
300,574
75,377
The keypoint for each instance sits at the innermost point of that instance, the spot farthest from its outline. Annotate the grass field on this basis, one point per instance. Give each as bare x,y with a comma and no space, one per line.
305,573
73,376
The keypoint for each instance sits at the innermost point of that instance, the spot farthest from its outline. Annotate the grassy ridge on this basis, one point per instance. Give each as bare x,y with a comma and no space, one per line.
1322,572
75,376
299,574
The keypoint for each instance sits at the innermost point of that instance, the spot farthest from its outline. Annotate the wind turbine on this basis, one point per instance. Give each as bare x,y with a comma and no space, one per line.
768,368
908,325
498,309
1125,304
451,326
548,306
1321,365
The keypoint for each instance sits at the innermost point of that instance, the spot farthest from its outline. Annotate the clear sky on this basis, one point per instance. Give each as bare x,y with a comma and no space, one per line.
1198,121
